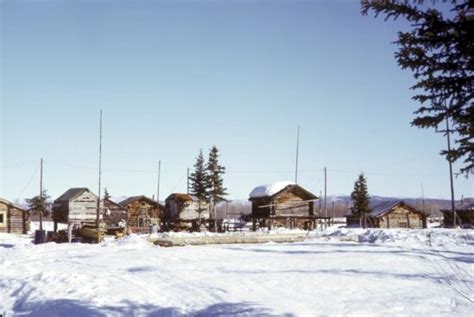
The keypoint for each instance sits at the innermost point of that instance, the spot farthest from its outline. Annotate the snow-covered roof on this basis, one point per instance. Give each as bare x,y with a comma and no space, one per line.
269,189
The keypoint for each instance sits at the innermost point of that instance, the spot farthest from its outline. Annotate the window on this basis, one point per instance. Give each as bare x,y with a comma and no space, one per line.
3,218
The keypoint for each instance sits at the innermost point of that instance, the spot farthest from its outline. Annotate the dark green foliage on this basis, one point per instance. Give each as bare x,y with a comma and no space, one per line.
360,197
439,50
217,191
199,179
39,205
106,194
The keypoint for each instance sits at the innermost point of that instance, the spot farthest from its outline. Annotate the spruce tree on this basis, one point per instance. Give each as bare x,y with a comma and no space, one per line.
360,199
199,179
39,205
217,191
438,49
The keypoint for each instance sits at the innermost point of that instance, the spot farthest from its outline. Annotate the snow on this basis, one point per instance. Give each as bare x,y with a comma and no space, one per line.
269,189
353,272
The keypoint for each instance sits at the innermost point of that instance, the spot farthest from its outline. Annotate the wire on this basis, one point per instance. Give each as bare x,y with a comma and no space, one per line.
29,181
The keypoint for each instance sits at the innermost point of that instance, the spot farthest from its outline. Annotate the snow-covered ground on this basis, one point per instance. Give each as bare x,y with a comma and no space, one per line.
338,272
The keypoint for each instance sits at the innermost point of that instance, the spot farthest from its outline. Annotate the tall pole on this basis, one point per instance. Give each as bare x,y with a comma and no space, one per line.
325,193
187,181
422,198
448,138
41,195
158,183
297,153
100,171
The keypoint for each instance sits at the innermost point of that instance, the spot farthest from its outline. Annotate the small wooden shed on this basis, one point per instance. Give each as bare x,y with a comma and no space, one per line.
283,204
114,214
142,213
183,207
396,214
13,218
75,206
464,214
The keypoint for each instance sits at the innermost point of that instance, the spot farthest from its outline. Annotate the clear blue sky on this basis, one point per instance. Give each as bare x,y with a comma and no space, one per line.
176,76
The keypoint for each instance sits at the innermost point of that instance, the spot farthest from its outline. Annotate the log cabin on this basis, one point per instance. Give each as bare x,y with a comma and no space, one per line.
142,213
390,214
13,218
464,214
75,206
283,204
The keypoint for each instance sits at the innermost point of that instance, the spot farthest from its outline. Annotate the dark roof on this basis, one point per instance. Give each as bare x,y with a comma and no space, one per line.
71,193
381,208
129,200
111,202
179,196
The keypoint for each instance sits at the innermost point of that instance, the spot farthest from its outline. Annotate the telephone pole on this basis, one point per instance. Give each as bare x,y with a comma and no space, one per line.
41,195
297,152
100,170
158,183
325,193
187,181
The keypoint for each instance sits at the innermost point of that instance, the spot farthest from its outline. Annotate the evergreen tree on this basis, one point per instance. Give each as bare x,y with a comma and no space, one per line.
39,205
360,199
439,51
199,179
106,194
217,191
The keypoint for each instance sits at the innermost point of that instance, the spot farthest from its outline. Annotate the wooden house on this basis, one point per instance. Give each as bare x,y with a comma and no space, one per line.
283,204
464,214
13,218
114,214
390,214
183,207
142,213
75,206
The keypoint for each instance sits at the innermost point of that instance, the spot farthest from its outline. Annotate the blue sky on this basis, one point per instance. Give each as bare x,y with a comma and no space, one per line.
176,76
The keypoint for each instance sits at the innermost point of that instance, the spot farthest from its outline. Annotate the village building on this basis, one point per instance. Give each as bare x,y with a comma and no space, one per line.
77,206
464,214
390,214
142,213
13,218
283,204
114,215
182,211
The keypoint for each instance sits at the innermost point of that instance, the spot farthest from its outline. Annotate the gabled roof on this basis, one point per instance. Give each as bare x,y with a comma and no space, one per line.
129,200
381,208
179,196
111,202
73,193
9,203
272,190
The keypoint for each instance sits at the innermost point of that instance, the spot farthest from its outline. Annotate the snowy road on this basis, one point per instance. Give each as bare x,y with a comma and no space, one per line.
341,273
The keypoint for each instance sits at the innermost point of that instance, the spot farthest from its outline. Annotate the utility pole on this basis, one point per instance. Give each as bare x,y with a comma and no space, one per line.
100,171
41,195
297,152
158,183
325,193
422,198
448,141
187,182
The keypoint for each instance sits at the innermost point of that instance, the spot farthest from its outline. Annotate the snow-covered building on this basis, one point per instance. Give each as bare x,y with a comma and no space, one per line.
13,218
390,214
183,207
142,213
464,214
283,204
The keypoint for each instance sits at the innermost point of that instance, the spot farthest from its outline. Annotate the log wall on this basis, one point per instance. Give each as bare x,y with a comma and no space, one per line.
401,217
15,220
